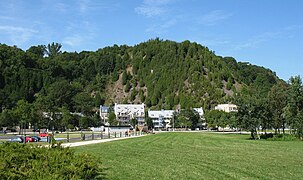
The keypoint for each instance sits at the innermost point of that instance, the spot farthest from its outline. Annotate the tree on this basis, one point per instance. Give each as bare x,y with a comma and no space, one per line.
124,78
53,49
37,51
98,100
23,113
112,119
212,117
127,87
84,103
186,118
250,110
66,117
134,122
149,122
277,97
294,109
8,119
84,122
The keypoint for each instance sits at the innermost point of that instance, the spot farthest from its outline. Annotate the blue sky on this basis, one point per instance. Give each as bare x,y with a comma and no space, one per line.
268,33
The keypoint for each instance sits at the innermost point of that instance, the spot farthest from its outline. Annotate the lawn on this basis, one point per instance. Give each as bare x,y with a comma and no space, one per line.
199,156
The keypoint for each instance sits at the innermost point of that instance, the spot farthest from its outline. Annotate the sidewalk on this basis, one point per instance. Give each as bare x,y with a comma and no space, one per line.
83,143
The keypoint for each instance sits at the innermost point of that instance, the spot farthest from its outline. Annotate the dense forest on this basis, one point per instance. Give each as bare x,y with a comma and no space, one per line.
161,74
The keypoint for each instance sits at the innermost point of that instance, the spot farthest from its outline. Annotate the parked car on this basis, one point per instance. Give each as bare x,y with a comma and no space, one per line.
3,132
29,139
36,138
17,139
43,134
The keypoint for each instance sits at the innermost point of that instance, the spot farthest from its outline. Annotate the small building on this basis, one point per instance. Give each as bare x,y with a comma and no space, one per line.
199,111
104,112
162,118
125,112
227,107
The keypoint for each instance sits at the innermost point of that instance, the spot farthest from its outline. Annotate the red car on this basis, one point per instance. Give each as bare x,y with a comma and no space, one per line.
29,139
43,134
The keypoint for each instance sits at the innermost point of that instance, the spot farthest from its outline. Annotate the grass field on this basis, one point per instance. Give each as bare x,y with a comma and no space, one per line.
199,156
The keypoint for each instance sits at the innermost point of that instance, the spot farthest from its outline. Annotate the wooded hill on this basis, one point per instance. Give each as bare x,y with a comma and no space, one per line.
161,74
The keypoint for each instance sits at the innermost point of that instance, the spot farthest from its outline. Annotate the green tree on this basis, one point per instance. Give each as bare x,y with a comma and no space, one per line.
8,119
187,118
23,113
127,87
277,102
149,122
37,51
134,122
53,49
66,117
84,103
112,119
124,78
84,122
294,109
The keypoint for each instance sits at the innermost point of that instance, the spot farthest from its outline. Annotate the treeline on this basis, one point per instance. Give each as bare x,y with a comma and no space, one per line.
280,109
161,74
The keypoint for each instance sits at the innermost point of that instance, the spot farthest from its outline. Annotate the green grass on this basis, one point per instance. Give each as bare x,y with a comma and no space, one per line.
199,156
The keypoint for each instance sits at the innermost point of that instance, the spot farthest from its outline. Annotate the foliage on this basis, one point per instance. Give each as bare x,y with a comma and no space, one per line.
277,98
33,162
149,123
294,108
134,122
284,137
112,119
187,118
165,74
216,118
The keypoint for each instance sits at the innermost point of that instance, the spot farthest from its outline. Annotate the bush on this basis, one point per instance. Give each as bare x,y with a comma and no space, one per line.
20,161
284,137
266,136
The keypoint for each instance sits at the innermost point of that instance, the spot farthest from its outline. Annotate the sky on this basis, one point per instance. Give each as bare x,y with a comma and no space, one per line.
267,33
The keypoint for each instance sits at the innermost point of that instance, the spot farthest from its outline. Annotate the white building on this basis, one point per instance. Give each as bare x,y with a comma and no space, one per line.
199,111
227,107
161,118
104,112
125,112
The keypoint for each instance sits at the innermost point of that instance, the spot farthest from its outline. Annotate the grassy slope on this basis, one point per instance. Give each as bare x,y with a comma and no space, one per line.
199,156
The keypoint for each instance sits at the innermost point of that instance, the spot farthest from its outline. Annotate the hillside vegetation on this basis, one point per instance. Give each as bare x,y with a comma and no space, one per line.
161,74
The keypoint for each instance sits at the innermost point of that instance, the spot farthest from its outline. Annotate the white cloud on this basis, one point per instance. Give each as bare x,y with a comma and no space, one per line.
161,28
74,40
61,7
255,41
156,2
151,8
83,6
213,17
17,35
150,11
6,18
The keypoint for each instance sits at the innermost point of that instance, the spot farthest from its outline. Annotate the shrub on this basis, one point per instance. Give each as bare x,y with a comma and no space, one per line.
20,161
284,137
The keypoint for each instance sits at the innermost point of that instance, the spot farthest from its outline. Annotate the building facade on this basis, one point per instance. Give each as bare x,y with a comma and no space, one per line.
104,112
161,118
227,107
125,112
